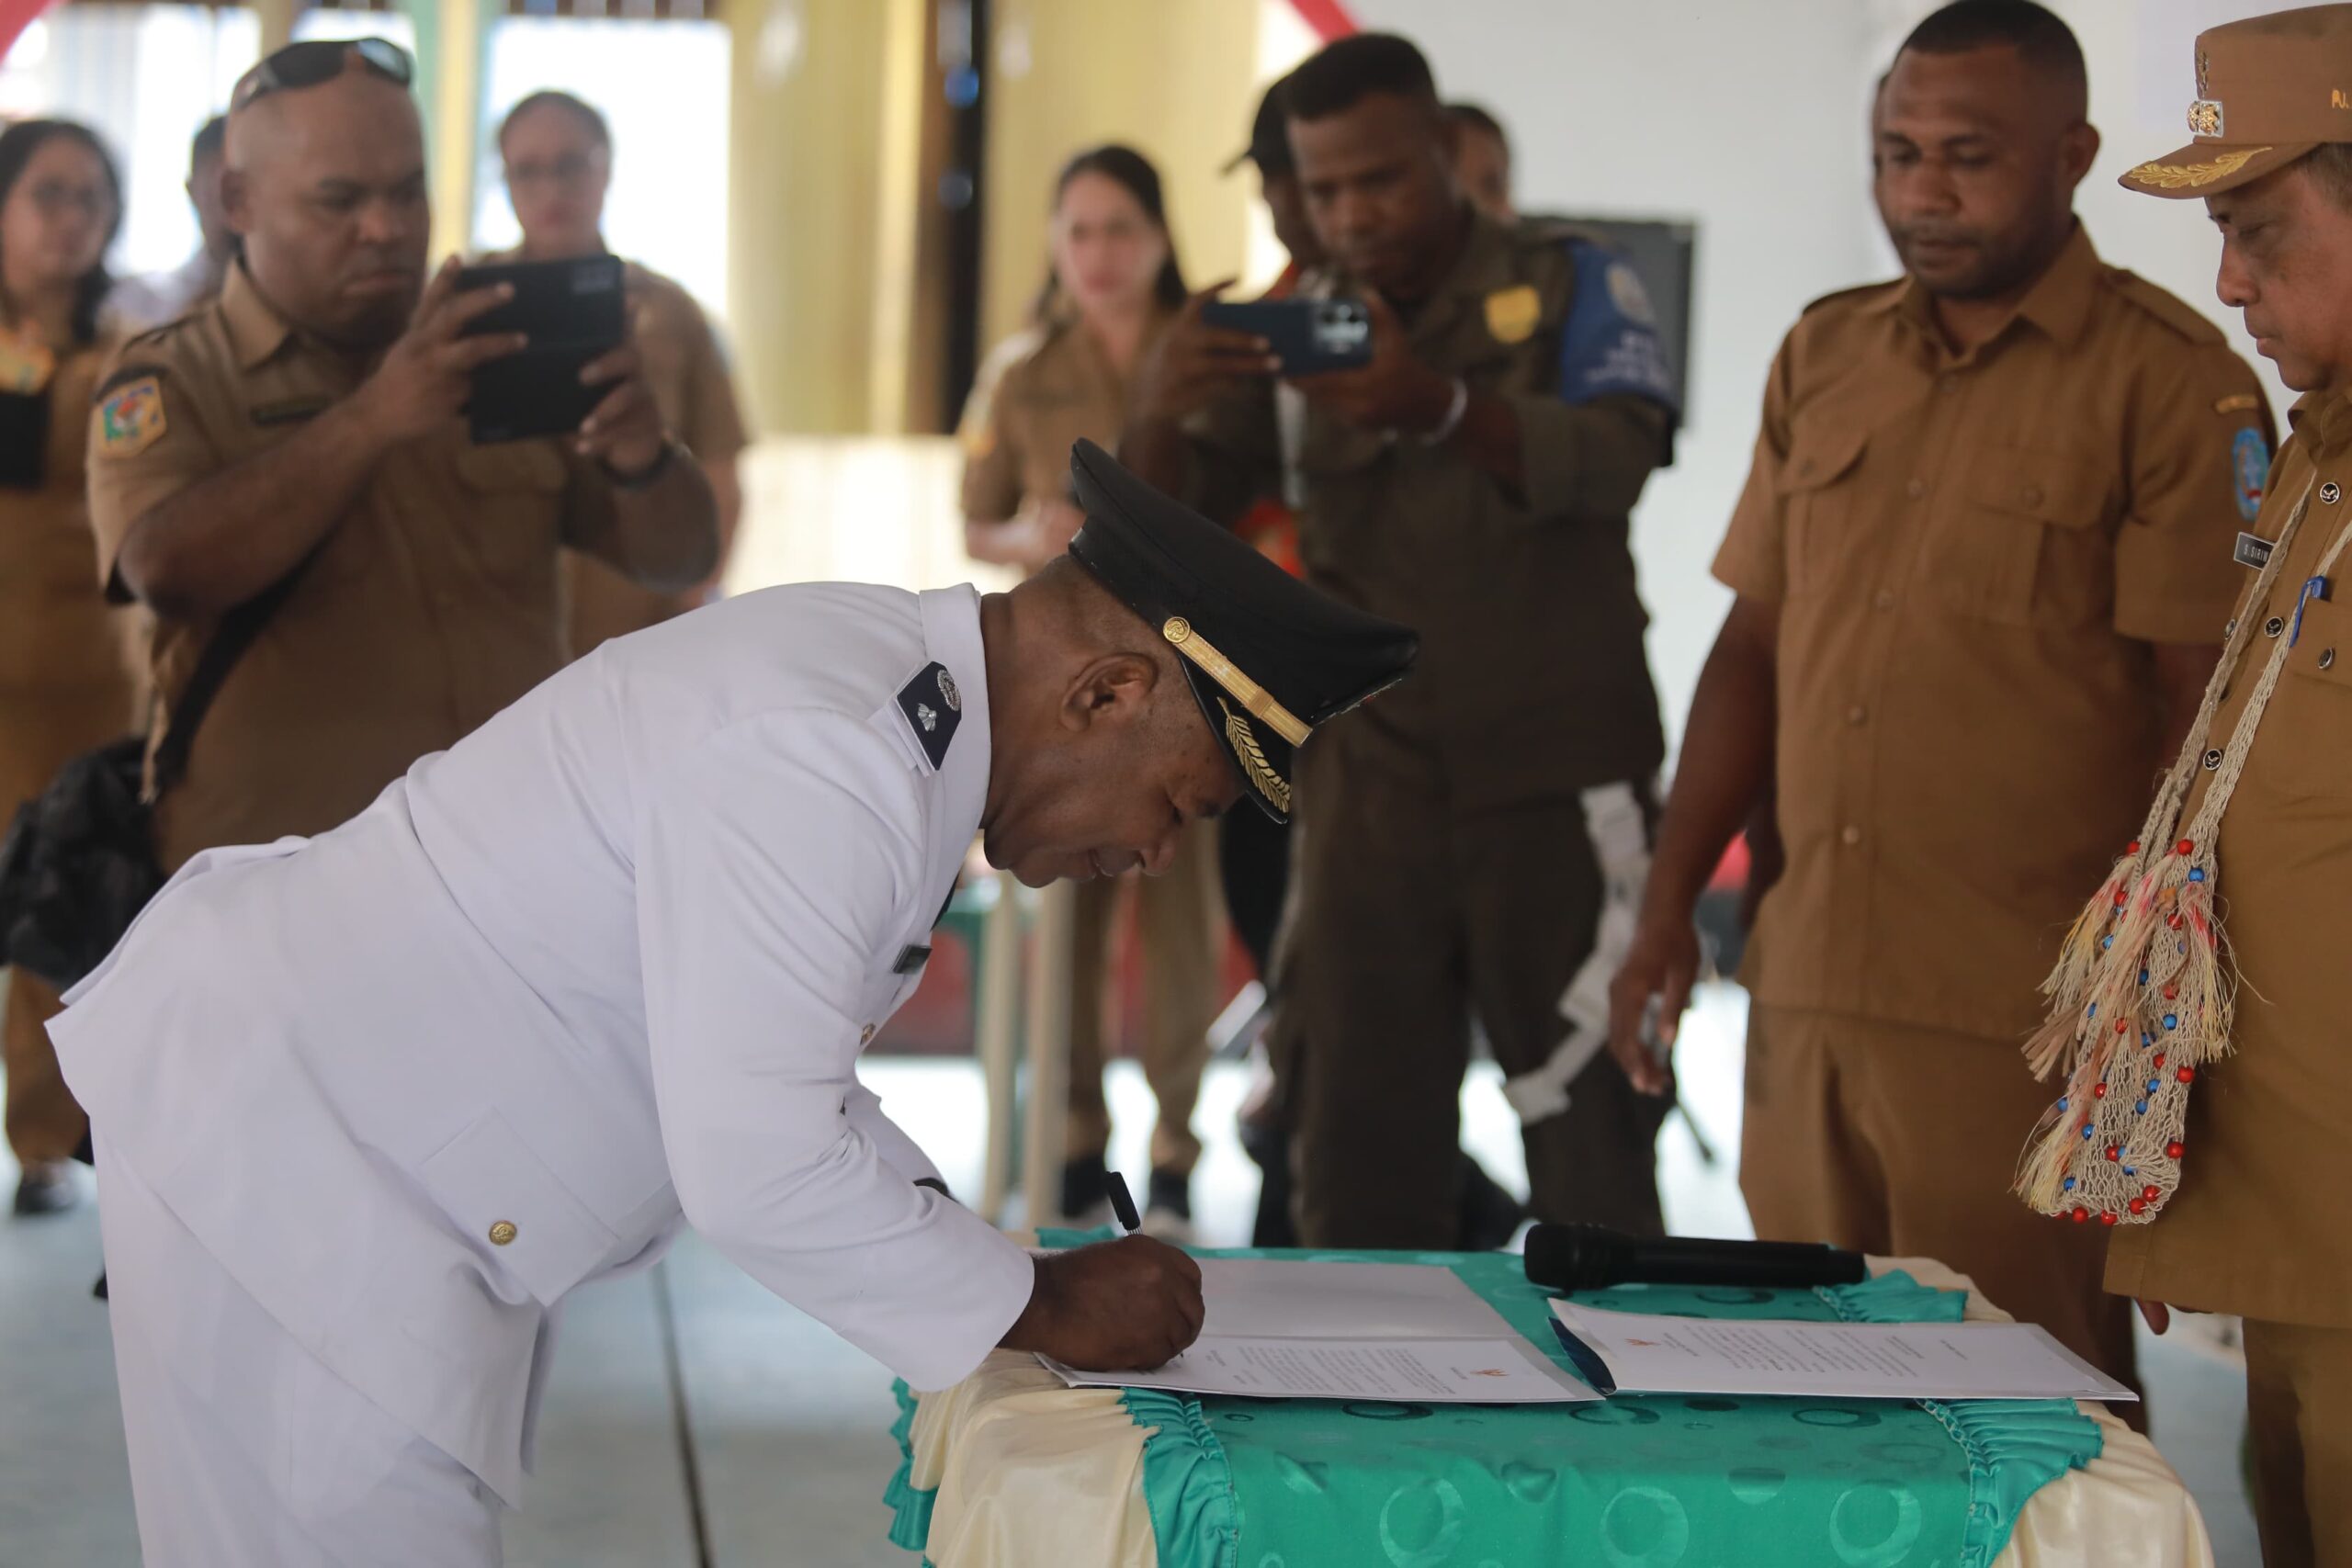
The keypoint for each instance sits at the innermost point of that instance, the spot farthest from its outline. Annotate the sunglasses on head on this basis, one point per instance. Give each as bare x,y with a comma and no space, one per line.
321,59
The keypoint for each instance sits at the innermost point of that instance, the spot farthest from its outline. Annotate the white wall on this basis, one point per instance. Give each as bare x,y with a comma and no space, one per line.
1750,116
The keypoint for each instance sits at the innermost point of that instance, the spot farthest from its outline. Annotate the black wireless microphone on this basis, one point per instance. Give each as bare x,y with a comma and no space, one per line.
1589,1257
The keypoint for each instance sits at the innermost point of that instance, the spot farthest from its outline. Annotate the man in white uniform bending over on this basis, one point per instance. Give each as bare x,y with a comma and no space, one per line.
368,1106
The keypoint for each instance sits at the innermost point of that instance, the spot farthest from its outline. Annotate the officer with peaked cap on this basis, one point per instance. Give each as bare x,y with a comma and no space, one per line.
2234,1203
372,1104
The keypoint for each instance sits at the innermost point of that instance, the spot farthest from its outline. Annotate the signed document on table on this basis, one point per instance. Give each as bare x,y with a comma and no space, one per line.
1285,1328
1644,1354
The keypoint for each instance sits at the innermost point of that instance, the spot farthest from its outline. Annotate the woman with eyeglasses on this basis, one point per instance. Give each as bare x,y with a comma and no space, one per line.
1111,288
65,686
557,153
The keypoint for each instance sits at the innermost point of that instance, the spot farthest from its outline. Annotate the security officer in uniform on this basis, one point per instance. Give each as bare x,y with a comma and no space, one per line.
306,423
2256,1226
1976,563
372,1104
557,150
1461,844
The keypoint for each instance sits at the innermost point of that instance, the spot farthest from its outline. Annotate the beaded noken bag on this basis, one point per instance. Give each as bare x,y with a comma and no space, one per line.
2142,995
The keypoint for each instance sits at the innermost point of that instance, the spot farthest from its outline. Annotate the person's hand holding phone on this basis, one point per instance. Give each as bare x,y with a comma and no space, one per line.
624,433
427,374
1393,392
1193,362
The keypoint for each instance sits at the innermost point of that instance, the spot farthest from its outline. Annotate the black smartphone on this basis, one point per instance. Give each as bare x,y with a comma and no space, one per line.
1307,335
571,312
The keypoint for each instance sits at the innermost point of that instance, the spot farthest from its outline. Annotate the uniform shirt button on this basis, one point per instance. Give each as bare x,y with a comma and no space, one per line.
865,1035
1916,489
501,1232
1885,600
2030,495
2273,627
1853,836
1857,714
2231,629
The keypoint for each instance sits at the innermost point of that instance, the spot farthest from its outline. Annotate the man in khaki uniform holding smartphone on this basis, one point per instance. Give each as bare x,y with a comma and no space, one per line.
308,422
2255,1224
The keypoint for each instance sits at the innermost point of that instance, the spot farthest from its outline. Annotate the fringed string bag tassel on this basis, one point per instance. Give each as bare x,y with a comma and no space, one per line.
2143,992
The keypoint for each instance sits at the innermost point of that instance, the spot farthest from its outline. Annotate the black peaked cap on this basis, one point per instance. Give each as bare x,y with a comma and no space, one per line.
1268,657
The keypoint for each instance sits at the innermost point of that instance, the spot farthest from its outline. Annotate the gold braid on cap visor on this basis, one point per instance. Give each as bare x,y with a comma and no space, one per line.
2173,176
1224,672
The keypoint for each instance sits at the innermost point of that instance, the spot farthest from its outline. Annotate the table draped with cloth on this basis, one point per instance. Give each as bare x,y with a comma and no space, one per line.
1010,1469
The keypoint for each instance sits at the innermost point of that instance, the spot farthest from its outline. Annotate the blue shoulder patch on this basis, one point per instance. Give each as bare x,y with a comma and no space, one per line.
1609,345
2250,465
933,708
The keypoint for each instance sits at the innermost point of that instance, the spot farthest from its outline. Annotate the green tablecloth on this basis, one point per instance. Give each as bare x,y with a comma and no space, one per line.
1633,1483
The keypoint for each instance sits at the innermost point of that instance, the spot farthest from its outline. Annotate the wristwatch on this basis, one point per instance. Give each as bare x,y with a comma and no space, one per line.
646,476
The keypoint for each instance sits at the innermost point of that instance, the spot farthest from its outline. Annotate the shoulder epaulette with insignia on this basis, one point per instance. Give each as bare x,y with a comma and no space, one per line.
934,707
1853,294
125,372
2164,305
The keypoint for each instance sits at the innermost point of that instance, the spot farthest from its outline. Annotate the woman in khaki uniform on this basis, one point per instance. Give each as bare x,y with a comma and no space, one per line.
558,155
1113,286
64,682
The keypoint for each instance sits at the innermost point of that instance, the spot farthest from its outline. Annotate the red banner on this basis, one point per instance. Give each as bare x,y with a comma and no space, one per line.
15,16
1329,18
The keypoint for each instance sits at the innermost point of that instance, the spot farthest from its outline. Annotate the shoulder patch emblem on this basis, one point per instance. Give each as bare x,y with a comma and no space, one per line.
2249,471
2238,402
1633,300
1513,313
130,418
929,712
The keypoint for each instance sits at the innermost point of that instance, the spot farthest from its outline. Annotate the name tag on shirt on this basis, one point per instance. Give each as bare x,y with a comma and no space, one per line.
2253,550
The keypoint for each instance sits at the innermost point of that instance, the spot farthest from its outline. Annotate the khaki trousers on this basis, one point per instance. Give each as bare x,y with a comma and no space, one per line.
1409,916
2298,1413
1176,921
1902,1141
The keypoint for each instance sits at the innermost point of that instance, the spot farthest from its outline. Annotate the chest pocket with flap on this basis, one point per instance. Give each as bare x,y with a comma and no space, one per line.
2029,547
1815,486
2303,750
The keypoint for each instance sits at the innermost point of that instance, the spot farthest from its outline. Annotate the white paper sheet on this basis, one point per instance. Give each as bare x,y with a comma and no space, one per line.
1840,1361
1286,1329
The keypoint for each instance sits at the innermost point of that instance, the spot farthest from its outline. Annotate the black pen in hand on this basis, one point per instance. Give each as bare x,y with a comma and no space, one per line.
1123,1204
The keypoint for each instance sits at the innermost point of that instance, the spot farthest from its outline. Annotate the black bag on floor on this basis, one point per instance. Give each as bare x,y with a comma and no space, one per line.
79,861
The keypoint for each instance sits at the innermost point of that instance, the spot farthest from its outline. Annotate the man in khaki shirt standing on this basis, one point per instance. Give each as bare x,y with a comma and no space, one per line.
2254,1222
558,154
1979,563
307,421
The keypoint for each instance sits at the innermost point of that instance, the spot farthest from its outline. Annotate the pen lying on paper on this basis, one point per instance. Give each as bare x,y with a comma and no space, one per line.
1123,1204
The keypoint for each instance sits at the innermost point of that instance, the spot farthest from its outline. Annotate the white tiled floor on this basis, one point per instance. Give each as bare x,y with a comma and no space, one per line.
787,1428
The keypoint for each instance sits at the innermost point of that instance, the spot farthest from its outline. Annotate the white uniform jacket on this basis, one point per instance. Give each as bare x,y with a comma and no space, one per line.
607,962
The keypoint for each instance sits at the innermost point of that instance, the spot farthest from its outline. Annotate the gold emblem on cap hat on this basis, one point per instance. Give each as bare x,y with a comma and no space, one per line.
2204,72
2173,176
2205,117
1262,774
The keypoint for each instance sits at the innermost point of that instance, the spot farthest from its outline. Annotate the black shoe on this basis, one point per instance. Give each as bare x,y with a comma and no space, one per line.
1086,1190
46,1189
1168,1212
1488,1216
